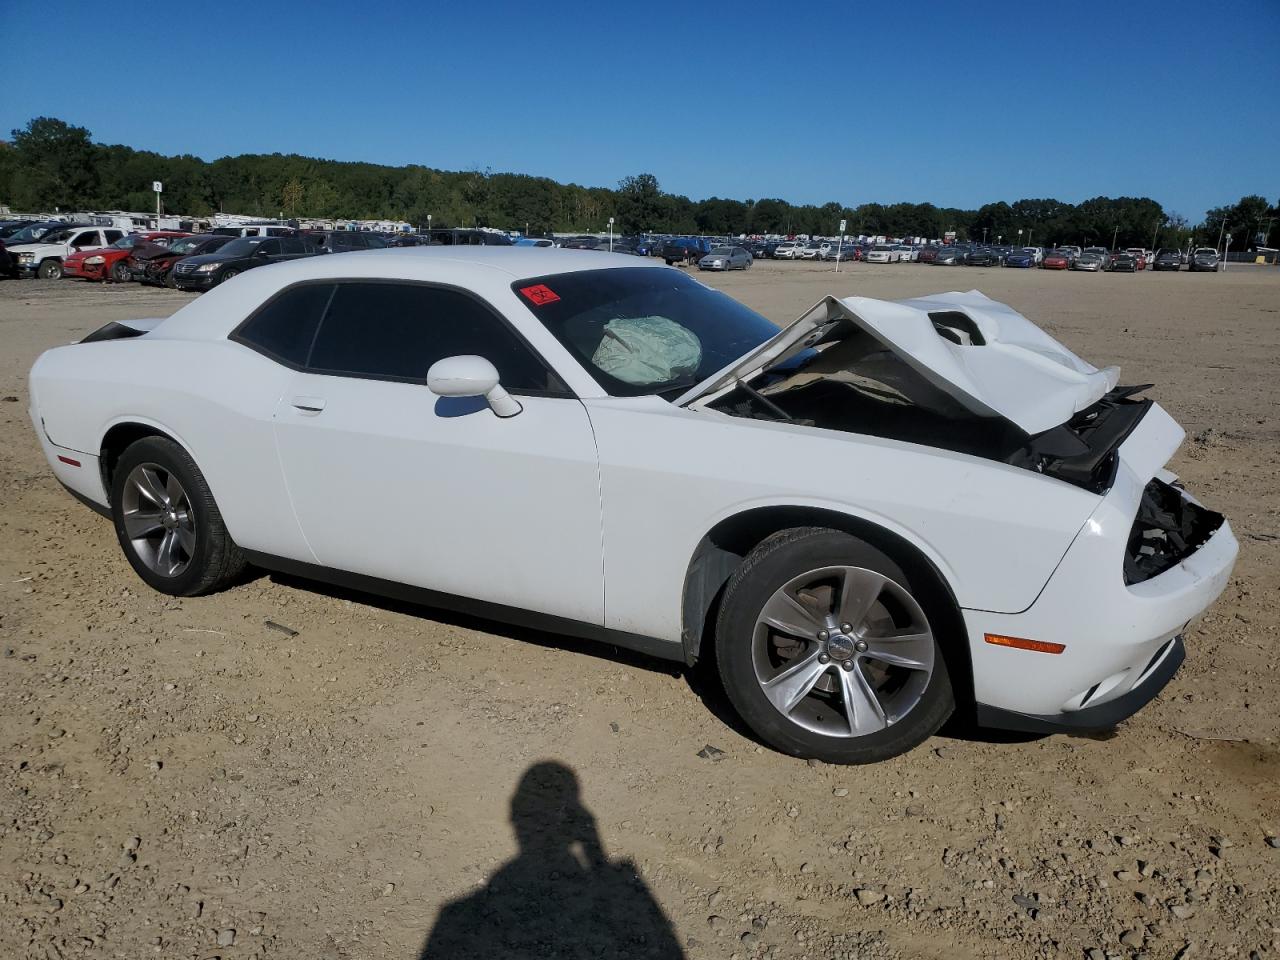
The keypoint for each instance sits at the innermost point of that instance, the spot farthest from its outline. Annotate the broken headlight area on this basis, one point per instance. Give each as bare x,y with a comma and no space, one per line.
1168,529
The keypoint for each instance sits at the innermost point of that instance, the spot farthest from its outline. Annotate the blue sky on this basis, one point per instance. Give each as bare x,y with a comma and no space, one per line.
955,103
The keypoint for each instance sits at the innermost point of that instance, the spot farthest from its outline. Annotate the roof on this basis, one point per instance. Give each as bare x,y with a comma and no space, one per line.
487,271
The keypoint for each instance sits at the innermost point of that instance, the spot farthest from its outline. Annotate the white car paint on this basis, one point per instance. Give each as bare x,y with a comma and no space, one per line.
883,253
791,250
591,508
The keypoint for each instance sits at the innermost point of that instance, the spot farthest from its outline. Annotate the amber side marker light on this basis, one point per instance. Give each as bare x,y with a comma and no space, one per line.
1018,643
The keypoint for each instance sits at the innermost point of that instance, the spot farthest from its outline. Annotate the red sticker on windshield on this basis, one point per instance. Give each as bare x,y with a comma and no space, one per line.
539,294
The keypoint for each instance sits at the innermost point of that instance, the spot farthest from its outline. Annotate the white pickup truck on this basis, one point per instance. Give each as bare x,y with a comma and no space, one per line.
44,257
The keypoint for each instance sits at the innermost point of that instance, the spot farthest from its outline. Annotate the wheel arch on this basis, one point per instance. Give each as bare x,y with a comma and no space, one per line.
724,547
120,436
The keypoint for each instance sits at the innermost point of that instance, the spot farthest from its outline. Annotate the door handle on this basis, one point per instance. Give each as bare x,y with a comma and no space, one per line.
310,405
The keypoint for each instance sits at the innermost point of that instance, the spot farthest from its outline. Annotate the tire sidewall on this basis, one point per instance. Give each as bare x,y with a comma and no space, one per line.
746,595
173,459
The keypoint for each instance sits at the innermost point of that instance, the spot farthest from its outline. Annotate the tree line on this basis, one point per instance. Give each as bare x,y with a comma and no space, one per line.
52,165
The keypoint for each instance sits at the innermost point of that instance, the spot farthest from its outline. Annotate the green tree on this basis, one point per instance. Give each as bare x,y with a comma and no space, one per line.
56,166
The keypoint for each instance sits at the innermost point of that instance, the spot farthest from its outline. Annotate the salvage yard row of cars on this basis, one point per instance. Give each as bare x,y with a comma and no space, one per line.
602,446
54,249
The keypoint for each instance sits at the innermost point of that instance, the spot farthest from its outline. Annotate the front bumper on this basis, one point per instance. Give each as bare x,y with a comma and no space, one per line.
1120,641
193,281
80,270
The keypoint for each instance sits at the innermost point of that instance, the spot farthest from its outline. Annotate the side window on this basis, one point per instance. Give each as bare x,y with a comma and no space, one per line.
292,245
374,242
114,235
269,247
286,326
398,330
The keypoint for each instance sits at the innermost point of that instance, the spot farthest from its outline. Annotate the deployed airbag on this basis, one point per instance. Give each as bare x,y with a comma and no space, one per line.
647,350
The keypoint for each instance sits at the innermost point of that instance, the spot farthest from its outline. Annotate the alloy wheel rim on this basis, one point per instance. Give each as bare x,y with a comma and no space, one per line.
158,519
842,651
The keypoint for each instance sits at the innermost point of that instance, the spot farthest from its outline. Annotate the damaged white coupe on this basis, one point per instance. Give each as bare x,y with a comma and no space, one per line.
876,516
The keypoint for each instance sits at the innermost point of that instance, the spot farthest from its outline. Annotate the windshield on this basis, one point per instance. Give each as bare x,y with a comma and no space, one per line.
185,245
641,331
722,252
127,242
240,246
29,234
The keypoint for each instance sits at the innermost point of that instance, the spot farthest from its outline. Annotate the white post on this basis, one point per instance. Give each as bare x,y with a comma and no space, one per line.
840,245
157,186
611,234
1224,253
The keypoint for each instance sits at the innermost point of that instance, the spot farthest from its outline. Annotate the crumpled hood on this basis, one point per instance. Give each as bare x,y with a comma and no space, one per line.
988,357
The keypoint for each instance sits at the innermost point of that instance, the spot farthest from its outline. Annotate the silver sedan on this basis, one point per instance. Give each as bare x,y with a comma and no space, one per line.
726,258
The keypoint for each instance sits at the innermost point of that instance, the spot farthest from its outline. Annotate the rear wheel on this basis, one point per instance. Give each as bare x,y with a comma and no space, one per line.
827,651
167,522
50,270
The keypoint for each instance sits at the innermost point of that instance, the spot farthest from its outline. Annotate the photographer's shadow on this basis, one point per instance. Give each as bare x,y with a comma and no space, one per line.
560,896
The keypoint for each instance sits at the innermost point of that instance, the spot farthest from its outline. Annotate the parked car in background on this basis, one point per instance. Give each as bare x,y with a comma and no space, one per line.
207,270
947,257
1203,260
982,257
110,263
726,258
8,265
1055,260
1167,260
883,253
993,531
811,250
1036,252
1103,255
788,250
840,254
345,241
468,237
1071,252
1089,261
1020,258
1122,261
928,254
1141,257
44,258
153,264
685,250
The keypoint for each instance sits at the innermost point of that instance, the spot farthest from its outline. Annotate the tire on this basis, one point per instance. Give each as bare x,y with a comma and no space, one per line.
169,281
200,556
227,275
120,273
897,707
50,269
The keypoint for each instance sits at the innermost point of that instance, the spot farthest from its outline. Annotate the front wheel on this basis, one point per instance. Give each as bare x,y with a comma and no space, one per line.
120,273
50,270
167,522
826,650
228,275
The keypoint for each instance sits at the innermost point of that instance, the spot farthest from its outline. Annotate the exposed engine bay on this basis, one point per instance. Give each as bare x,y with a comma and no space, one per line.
857,384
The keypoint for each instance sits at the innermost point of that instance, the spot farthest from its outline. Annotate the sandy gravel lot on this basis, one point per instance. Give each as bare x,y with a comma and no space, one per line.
178,779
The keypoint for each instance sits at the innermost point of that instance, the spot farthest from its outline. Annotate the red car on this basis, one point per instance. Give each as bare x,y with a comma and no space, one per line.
1055,260
108,263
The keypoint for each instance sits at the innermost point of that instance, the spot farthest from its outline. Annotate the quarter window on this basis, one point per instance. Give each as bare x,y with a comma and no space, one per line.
285,328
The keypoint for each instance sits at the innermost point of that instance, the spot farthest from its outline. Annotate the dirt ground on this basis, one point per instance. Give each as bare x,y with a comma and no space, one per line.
182,779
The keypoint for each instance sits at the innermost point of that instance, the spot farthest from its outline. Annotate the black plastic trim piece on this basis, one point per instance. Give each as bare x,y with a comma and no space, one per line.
1091,719
421,596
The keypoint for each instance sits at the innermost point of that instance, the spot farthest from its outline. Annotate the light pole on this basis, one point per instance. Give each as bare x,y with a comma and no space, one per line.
428,226
1029,232
611,234
984,236
1155,235
1224,253
1019,236
1114,236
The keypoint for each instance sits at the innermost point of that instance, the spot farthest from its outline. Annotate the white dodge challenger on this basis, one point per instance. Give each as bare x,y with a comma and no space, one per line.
876,515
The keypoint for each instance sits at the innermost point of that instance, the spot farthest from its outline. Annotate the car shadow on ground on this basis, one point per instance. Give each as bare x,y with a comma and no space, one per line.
560,896
466,621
